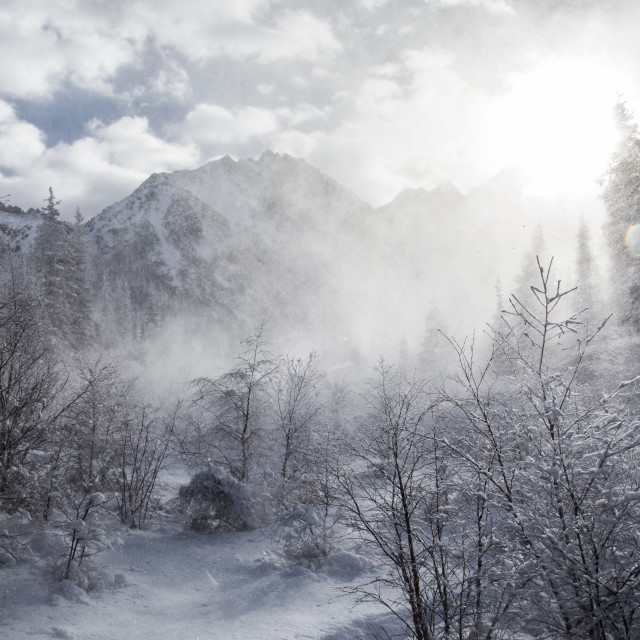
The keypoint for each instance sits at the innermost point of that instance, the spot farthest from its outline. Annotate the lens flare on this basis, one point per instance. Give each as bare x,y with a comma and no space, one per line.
632,239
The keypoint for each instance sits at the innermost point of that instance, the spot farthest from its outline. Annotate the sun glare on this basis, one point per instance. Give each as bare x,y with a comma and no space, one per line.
556,122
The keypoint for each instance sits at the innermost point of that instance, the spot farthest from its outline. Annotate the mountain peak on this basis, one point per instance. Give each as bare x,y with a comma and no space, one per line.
268,155
269,159
419,199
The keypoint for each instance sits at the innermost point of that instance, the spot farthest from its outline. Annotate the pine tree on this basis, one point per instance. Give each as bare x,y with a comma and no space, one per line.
51,211
430,358
622,200
585,275
60,261
53,261
79,292
530,270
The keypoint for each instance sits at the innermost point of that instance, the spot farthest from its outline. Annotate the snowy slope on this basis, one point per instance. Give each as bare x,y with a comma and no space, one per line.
19,228
169,583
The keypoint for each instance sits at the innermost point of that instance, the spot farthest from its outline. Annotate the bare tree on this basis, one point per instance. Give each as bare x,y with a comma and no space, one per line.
233,405
295,389
30,386
386,492
142,444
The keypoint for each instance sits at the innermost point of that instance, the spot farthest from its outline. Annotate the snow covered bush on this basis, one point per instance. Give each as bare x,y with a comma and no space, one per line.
310,516
216,500
307,534
11,545
85,534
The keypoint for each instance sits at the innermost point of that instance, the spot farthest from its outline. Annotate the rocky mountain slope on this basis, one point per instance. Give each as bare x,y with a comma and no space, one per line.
238,241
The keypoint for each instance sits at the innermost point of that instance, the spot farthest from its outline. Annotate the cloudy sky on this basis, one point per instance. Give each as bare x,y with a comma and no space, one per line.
95,95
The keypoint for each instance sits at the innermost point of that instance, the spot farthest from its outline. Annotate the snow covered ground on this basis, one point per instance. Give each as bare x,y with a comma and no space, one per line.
171,583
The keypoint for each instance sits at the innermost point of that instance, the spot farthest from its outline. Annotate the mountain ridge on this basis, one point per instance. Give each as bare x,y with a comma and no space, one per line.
235,241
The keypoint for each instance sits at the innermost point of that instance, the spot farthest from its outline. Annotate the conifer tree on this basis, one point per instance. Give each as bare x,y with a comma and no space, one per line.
529,271
430,358
79,292
53,261
51,211
585,275
622,200
60,258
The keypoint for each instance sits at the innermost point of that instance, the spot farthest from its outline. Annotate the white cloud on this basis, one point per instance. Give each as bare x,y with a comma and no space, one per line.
298,143
303,113
493,6
202,31
372,5
213,123
49,43
94,171
397,129
46,43
129,143
265,89
20,142
171,80
299,35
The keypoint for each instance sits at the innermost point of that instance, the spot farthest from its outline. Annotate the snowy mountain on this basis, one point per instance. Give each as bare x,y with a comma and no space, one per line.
18,228
237,242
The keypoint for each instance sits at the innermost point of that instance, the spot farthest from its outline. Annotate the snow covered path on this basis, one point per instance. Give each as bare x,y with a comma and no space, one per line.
175,584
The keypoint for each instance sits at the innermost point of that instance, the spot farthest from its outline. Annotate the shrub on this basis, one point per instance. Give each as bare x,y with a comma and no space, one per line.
216,500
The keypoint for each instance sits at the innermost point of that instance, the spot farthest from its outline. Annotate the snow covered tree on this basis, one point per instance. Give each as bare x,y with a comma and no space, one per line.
79,295
55,263
60,259
398,493
30,386
622,200
427,518
233,406
585,268
92,426
309,515
51,211
85,534
560,465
